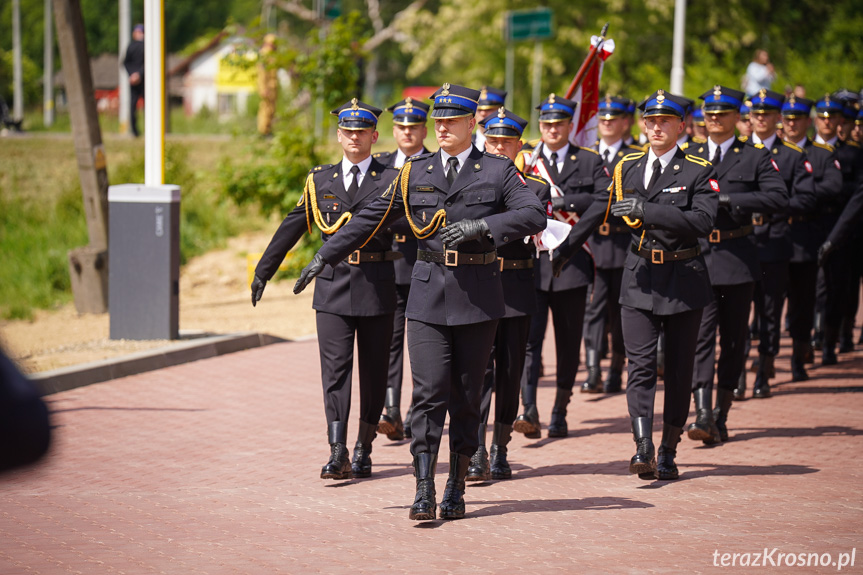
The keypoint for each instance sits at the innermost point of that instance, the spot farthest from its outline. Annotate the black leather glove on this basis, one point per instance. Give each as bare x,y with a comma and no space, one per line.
724,200
824,251
315,267
558,260
463,231
558,203
258,286
632,207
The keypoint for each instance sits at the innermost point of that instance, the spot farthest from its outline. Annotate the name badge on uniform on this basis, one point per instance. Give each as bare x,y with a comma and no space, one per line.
425,188
674,190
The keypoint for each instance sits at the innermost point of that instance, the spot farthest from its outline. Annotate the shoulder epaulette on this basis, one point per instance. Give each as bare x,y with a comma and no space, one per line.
684,146
419,157
697,160
827,147
852,143
794,147
496,156
382,155
589,150
534,178
698,140
321,167
532,144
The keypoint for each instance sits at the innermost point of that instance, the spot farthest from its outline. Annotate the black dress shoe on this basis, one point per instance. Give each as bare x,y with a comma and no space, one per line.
798,358
339,465
500,468
740,390
557,426
361,464
720,414
528,423
391,424
452,504
479,470
594,376
703,428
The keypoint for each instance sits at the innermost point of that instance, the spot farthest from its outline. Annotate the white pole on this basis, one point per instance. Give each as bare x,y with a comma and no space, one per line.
537,83
17,81
677,50
125,93
48,60
154,93
510,65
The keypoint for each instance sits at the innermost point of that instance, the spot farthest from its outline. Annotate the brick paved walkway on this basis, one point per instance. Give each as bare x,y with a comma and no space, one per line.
212,467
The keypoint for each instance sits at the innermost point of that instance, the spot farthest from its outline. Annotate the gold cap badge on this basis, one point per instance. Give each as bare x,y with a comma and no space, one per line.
501,113
445,91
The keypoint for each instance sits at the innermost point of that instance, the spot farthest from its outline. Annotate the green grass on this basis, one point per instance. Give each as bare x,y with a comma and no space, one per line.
42,218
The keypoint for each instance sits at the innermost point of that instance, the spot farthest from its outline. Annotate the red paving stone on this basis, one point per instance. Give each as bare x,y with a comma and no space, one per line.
212,468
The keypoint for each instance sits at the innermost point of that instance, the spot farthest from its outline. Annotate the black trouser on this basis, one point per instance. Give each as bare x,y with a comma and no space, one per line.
729,311
774,279
336,345
642,329
447,363
802,277
604,308
397,347
136,92
505,366
839,280
567,316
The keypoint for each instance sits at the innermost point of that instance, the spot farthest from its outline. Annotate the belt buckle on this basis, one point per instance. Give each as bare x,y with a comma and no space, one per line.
400,238
713,238
657,257
450,258
757,220
604,229
354,258
500,260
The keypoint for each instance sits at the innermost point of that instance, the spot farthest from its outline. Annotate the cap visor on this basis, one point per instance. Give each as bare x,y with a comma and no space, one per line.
354,125
451,113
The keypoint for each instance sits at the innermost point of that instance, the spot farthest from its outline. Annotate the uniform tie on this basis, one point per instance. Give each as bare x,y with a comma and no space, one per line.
717,157
605,155
354,185
554,171
452,169
657,171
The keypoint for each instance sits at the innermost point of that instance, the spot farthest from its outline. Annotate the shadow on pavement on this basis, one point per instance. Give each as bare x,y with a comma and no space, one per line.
742,470
833,430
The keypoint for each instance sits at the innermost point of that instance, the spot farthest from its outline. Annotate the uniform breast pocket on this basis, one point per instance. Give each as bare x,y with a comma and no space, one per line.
585,182
477,197
330,210
689,267
423,205
745,177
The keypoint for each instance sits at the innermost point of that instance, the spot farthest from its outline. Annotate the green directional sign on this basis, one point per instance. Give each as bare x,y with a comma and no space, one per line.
528,24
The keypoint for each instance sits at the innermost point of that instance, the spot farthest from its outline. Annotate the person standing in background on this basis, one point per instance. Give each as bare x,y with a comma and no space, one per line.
134,64
759,74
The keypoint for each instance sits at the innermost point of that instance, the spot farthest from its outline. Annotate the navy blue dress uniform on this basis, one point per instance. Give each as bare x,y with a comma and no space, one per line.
807,235
407,112
577,173
835,289
456,296
503,376
749,182
609,244
490,100
665,284
354,296
773,237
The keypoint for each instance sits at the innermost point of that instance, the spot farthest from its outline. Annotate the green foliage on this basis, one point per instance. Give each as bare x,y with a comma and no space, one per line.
31,79
331,68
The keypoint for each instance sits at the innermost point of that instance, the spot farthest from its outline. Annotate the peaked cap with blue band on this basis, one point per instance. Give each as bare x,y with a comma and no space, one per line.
721,100
698,116
827,106
356,115
850,102
504,124
661,103
451,101
490,98
690,104
613,107
859,119
795,107
766,101
556,109
409,112
744,110
630,106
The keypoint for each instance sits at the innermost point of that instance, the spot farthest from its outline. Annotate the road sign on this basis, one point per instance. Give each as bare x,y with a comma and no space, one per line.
528,24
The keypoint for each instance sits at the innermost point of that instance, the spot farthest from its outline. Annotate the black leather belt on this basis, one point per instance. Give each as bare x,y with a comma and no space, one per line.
717,236
456,258
606,229
662,256
506,264
359,257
